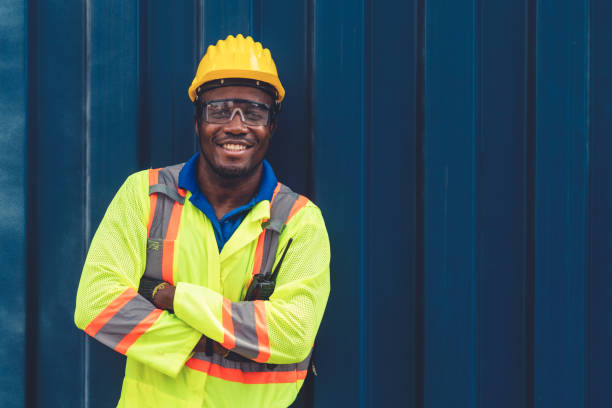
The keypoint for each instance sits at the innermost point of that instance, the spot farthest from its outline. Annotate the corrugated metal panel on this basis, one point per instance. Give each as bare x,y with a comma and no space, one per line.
365,182
459,151
450,197
561,199
112,150
339,147
13,147
503,131
476,193
56,193
598,357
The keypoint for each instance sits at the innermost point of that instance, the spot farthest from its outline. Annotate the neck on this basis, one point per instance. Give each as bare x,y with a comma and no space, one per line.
225,194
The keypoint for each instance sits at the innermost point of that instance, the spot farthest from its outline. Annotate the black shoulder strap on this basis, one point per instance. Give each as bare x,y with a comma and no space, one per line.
284,204
281,207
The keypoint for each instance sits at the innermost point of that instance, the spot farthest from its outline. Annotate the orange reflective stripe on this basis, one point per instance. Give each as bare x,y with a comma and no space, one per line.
153,179
259,252
276,190
168,252
137,331
245,377
297,206
153,176
261,328
229,340
175,219
258,259
168,261
96,324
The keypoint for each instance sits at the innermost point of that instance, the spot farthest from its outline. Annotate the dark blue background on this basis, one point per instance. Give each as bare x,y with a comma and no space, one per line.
460,152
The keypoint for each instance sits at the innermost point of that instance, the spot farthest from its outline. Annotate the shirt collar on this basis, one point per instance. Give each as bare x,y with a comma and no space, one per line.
188,180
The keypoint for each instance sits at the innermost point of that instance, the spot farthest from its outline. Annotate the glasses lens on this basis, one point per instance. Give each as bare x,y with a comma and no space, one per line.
251,113
218,112
255,114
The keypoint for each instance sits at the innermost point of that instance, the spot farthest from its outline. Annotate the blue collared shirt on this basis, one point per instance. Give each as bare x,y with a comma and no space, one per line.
225,227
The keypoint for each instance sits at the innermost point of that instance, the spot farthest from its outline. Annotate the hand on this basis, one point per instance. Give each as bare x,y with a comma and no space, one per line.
164,297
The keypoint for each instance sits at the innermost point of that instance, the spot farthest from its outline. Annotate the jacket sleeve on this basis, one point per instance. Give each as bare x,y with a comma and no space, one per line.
280,330
108,306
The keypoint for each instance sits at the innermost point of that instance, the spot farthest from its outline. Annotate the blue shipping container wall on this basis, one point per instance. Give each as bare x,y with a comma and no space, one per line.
460,152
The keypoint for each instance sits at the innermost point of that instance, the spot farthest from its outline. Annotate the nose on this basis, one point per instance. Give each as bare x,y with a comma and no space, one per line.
236,126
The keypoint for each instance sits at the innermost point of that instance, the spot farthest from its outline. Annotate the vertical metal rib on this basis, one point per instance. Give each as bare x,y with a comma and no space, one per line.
87,176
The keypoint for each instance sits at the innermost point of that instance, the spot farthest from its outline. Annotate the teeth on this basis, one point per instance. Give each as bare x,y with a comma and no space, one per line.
234,147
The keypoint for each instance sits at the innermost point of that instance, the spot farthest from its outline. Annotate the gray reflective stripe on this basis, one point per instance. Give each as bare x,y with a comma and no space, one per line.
167,176
161,219
124,321
167,185
303,365
243,319
155,251
173,171
281,207
283,202
168,191
252,366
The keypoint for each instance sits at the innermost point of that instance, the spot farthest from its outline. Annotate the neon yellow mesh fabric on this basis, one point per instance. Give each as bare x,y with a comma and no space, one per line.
296,307
156,361
115,262
116,255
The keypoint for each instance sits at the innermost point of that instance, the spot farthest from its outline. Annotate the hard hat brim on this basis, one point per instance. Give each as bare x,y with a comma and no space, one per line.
238,73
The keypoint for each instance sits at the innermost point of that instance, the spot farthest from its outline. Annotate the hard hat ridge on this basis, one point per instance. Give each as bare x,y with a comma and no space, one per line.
237,57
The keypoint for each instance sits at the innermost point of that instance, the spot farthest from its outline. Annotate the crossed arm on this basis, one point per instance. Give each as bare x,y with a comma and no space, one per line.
162,296
280,330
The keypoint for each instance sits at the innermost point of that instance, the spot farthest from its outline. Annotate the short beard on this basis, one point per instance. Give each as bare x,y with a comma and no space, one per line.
229,173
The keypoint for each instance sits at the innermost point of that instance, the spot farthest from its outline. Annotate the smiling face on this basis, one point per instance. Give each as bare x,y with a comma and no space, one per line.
233,150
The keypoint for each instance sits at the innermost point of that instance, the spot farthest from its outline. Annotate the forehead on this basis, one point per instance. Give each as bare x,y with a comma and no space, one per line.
237,92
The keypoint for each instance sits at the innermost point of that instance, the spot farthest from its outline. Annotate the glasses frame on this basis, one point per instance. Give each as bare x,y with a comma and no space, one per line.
238,100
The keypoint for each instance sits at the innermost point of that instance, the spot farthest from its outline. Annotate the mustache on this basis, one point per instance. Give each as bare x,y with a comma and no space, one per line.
234,138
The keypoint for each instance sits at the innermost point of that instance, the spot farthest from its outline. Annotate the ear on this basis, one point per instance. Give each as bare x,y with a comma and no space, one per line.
272,126
196,124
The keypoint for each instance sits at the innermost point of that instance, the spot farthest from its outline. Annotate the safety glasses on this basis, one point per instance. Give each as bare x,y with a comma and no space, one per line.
222,111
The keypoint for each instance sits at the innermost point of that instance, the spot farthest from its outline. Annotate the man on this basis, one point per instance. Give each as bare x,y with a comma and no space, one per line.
211,276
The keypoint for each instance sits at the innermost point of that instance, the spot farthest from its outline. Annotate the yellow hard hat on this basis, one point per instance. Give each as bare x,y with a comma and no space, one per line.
237,57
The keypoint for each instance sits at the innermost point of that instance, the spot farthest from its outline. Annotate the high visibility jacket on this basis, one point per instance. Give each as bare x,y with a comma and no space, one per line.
277,335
